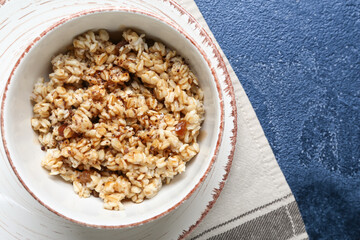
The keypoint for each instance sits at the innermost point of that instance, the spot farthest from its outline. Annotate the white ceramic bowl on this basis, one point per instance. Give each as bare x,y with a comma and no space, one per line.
23,150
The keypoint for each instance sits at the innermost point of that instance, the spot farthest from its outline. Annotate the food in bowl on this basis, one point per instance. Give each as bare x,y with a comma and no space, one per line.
118,120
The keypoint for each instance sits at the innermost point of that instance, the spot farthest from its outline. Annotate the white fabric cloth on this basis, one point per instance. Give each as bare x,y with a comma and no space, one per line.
256,185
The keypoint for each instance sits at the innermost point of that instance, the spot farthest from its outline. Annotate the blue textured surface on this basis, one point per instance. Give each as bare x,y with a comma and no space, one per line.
299,62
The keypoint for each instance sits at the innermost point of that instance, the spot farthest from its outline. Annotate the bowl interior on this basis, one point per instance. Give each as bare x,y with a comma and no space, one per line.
24,149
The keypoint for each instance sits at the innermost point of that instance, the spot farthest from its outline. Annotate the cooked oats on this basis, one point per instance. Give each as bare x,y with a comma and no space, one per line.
118,120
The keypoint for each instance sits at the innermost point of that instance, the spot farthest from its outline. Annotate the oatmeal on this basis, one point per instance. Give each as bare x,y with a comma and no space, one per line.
118,120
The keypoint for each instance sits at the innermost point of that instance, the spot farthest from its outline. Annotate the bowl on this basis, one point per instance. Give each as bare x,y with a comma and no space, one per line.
24,152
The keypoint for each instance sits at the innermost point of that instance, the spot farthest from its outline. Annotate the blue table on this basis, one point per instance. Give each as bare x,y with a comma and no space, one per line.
299,63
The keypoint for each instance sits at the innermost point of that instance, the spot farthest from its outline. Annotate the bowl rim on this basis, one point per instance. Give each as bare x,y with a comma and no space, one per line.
218,89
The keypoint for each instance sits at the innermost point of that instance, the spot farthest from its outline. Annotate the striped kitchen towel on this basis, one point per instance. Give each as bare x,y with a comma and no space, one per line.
256,202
